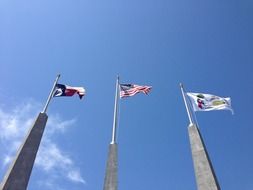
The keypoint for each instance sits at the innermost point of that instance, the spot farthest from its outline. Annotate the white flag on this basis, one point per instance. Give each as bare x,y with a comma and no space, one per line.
209,102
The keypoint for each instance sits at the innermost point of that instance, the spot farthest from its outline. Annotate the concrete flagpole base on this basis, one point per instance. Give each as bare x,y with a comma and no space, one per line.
205,175
17,177
111,175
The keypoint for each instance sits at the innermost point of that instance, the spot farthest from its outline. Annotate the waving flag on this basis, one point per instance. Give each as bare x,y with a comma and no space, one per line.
209,102
127,90
65,90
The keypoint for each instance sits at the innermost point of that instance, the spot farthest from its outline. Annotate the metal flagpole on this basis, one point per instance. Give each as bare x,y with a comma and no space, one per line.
51,94
115,117
111,173
186,104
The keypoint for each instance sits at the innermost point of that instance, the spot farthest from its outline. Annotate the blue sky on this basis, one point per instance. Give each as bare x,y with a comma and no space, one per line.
207,45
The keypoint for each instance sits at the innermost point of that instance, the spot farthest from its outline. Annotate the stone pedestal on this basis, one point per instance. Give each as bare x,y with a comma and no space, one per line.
111,175
205,175
17,177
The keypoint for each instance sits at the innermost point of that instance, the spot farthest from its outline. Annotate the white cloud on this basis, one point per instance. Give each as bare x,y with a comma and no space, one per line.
60,162
14,124
51,159
75,175
56,124
6,160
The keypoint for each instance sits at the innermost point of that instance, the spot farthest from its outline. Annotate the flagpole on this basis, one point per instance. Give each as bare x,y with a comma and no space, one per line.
115,117
51,94
186,104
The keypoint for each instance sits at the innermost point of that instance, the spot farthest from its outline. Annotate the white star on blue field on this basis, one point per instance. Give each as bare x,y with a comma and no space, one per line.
206,45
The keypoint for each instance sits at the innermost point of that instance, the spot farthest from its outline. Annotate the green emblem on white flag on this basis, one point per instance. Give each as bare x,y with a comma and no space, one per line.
209,102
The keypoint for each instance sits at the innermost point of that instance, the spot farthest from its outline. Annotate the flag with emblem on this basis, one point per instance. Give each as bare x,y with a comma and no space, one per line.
209,102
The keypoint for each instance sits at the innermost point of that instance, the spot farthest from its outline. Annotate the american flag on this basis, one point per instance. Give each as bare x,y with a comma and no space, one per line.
127,90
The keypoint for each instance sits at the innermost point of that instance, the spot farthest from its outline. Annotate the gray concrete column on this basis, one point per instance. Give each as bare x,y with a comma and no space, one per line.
111,175
204,173
19,172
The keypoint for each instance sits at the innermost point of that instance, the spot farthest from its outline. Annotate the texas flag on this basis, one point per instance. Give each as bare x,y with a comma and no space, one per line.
65,90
